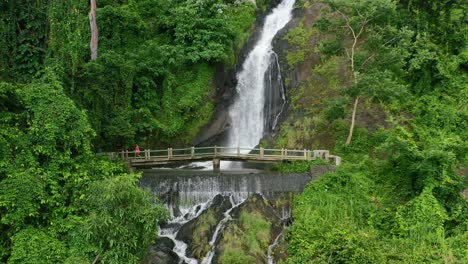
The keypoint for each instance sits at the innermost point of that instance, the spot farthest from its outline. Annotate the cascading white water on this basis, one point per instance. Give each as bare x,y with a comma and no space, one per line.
247,116
247,128
272,246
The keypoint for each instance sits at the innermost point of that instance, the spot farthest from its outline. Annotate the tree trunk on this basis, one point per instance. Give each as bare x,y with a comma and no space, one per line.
96,258
353,118
353,70
94,30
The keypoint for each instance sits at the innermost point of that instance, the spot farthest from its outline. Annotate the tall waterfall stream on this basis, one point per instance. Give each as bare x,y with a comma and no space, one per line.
247,113
190,195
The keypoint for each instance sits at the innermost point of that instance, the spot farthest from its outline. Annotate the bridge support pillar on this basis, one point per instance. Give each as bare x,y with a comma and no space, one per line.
216,164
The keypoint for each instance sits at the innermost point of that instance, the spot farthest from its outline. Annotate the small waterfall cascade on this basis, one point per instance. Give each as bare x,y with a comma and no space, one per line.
187,192
219,228
191,195
272,246
275,95
248,112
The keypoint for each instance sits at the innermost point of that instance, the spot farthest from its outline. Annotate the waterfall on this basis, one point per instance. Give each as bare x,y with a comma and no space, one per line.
247,113
187,197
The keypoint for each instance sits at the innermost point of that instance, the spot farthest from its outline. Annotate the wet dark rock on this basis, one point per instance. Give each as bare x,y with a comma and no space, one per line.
259,207
295,74
171,198
161,253
274,94
258,204
165,244
198,232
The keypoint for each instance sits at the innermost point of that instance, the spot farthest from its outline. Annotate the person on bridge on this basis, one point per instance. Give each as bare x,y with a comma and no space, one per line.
137,151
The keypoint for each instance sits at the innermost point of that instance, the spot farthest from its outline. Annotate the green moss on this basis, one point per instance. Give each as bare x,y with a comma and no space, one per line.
232,247
235,256
299,37
246,240
201,234
257,232
318,104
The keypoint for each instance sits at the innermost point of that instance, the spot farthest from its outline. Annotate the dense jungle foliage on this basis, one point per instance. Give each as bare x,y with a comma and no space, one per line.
396,198
59,203
155,66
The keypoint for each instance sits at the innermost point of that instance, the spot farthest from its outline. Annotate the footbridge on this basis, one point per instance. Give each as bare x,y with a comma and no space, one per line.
150,157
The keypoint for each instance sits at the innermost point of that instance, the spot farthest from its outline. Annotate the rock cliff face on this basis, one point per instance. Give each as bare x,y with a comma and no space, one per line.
281,77
295,74
225,82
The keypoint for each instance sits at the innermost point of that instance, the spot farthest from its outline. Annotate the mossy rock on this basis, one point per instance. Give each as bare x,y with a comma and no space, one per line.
198,232
246,238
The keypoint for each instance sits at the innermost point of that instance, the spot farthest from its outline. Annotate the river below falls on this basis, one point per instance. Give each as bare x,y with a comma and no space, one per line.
209,212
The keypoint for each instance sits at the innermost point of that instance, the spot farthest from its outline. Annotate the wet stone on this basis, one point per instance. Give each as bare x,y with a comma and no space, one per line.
256,206
202,228
161,253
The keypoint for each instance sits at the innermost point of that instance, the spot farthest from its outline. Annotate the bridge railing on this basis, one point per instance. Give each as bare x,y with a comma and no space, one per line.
225,152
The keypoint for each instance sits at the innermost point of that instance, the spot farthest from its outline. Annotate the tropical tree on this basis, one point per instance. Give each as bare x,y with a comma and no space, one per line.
367,40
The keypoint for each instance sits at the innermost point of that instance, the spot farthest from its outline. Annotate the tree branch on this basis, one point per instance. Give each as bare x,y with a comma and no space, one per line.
366,61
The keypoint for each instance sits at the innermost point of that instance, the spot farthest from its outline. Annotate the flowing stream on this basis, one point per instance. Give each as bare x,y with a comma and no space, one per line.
248,111
188,194
252,115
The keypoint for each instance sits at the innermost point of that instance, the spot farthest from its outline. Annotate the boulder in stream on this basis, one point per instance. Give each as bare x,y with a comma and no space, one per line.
161,253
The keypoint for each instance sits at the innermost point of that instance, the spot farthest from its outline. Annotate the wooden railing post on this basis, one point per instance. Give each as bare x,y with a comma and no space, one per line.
147,153
307,154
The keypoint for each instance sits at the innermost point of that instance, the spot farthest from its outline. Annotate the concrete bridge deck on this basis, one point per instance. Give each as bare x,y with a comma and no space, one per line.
150,157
